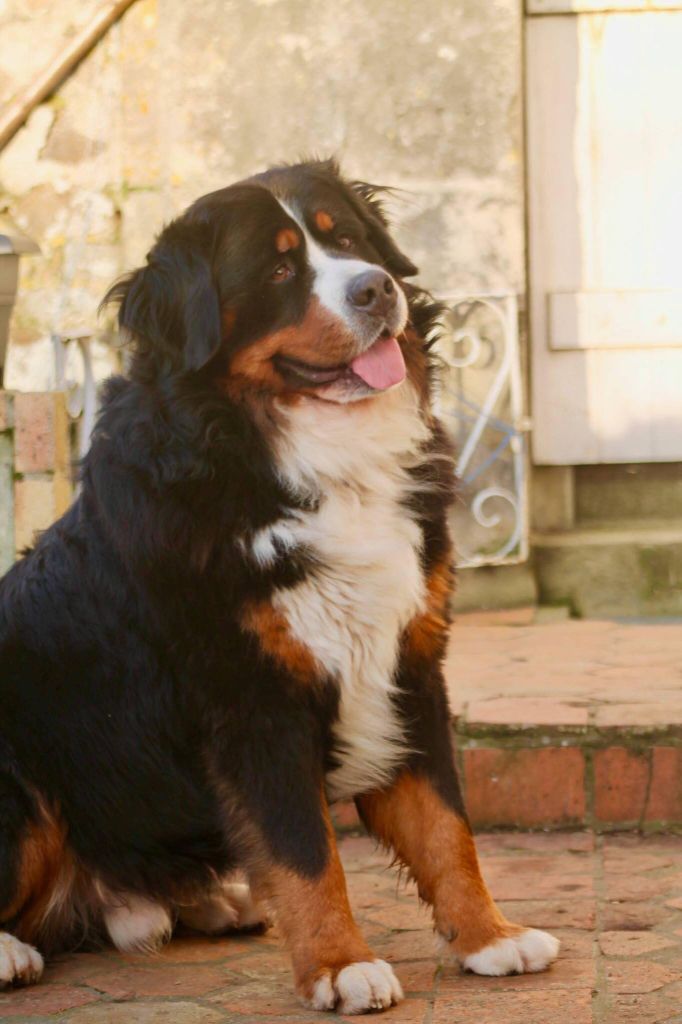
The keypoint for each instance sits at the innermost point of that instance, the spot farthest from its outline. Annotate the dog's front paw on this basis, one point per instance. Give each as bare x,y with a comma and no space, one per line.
358,988
528,951
19,964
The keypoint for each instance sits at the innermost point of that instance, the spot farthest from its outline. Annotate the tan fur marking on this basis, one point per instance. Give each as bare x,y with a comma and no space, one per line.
439,850
229,318
272,629
426,634
319,339
287,239
324,221
315,918
45,877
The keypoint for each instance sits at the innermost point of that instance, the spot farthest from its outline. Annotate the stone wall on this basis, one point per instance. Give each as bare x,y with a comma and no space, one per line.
181,98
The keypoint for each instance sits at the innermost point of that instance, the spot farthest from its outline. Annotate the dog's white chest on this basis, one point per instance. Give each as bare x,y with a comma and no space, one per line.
351,611
350,614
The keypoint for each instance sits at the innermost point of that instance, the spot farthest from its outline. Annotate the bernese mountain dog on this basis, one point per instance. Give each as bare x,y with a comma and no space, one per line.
242,617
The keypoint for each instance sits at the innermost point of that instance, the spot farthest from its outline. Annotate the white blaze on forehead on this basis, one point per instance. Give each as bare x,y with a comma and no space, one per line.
333,274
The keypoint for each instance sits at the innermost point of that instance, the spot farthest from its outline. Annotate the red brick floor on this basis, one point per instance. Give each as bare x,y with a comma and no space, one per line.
572,673
615,901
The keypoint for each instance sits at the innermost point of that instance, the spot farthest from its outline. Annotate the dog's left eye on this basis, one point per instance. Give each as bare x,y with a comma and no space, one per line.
345,241
282,272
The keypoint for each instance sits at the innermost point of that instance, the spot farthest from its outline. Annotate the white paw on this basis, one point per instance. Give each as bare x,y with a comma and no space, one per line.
358,988
251,913
137,925
529,951
232,907
19,964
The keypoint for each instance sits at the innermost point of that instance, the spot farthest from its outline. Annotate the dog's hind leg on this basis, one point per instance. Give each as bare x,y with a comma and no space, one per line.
231,906
136,924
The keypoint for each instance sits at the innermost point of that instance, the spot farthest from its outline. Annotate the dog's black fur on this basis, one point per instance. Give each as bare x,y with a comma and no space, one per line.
126,684
149,742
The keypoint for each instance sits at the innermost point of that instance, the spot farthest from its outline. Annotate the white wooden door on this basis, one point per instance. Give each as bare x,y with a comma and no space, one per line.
604,116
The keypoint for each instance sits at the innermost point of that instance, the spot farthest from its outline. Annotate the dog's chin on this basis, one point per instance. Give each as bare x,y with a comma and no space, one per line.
348,389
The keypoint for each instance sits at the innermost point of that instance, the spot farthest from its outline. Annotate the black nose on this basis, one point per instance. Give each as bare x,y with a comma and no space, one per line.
373,291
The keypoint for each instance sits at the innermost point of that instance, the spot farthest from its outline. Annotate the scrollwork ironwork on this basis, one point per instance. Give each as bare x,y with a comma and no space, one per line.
480,399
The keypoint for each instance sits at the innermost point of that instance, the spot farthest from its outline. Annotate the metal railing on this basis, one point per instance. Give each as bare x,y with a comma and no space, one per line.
480,400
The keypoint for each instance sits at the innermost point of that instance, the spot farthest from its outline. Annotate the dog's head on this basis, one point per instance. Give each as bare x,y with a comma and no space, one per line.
287,283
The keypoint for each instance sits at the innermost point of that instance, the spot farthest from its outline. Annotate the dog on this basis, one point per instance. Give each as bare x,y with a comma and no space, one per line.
242,617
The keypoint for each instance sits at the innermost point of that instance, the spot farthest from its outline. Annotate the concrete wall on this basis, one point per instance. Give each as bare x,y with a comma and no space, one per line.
181,98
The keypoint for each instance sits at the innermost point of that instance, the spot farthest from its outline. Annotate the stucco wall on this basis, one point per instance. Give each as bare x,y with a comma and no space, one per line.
181,98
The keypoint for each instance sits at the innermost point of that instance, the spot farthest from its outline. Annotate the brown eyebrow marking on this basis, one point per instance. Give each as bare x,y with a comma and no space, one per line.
324,220
229,318
287,239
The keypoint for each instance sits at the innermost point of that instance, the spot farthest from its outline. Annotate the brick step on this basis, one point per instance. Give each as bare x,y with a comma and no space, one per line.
571,724
607,780
557,776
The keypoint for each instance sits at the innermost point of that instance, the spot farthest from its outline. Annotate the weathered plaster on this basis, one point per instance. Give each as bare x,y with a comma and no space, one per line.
179,99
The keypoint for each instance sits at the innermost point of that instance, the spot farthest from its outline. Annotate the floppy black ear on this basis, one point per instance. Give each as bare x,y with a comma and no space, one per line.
372,213
171,307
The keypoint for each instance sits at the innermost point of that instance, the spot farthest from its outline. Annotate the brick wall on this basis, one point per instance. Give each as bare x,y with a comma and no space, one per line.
35,467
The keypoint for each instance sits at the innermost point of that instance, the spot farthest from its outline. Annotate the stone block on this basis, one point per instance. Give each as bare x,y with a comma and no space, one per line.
635,490
625,570
494,586
552,497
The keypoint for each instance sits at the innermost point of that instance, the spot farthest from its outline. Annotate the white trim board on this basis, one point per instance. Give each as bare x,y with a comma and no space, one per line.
596,6
615,319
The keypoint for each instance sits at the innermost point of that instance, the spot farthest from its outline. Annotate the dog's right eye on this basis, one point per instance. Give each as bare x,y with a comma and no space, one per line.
282,272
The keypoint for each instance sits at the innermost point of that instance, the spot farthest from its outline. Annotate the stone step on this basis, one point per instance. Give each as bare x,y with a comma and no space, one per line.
652,490
629,568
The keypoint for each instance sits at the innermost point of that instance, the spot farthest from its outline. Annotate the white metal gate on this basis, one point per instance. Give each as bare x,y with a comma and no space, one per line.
481,403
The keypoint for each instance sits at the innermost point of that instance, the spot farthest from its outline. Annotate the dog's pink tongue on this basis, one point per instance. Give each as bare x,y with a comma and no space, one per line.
382,365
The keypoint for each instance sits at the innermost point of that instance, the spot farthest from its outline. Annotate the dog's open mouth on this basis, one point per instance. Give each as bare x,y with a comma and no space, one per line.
381,366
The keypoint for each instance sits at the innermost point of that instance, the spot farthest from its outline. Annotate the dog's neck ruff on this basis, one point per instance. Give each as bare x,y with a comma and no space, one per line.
351,610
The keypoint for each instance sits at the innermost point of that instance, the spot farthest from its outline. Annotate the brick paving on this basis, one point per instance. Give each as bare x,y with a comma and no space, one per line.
615,902
557,725
571,673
